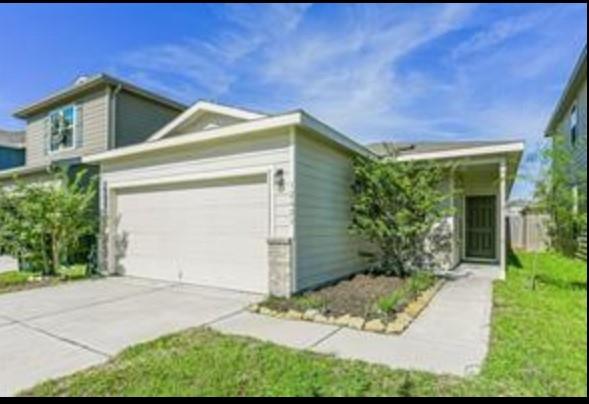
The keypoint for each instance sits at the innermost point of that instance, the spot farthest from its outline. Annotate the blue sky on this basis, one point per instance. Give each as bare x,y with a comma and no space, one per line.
394,72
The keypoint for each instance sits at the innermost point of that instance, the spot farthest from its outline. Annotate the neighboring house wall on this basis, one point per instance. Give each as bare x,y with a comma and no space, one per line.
138,118
94,128
579,151
325,250
11,157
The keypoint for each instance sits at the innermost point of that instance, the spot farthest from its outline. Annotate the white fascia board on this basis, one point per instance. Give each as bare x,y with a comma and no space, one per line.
197,137
516,147
297,118
207,107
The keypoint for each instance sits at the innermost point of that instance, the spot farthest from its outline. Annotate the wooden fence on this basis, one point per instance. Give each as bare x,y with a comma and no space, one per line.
528,231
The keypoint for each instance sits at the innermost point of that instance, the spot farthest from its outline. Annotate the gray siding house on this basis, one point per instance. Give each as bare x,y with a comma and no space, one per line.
12,149
96,114
569,119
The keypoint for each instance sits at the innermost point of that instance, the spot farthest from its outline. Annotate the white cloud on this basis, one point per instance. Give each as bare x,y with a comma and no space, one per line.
481,72
211,65
499,32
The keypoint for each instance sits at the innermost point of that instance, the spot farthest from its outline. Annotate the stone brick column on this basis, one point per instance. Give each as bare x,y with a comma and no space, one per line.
280,261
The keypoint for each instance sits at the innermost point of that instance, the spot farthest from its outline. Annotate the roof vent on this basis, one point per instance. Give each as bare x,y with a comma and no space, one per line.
81,80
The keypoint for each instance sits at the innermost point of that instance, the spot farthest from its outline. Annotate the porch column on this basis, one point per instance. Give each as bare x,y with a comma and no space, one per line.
502,224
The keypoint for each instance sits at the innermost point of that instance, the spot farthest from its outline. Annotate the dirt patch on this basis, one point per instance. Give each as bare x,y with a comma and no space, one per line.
358,296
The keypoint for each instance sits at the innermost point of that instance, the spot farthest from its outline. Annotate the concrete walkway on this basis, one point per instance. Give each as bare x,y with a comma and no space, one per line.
51,332
450,337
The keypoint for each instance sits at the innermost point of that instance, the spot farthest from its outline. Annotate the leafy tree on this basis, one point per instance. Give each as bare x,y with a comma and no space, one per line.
559,175
396,206
45,224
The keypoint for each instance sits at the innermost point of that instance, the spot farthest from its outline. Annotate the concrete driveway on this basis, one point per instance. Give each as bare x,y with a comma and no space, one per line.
51,332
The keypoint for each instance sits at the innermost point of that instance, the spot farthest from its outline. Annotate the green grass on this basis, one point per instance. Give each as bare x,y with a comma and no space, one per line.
21,280
539,348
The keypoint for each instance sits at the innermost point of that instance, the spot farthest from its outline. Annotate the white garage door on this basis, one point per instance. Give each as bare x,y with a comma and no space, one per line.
209,233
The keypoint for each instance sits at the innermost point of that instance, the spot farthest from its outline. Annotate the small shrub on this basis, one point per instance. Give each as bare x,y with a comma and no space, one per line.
390,304
420,282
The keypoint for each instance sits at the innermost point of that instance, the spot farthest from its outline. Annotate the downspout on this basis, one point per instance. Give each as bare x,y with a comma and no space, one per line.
113,116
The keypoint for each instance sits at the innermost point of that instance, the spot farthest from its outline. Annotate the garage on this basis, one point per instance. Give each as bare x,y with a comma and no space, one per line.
210,232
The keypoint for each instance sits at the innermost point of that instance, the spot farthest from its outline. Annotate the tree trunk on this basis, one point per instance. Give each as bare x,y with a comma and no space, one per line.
55,255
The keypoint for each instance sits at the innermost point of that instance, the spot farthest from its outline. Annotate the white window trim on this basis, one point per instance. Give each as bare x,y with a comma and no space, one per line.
74,130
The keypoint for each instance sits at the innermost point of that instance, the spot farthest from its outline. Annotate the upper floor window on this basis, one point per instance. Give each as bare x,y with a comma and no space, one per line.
61,129
573,125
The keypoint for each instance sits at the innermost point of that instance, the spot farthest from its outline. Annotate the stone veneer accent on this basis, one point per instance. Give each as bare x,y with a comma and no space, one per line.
280,263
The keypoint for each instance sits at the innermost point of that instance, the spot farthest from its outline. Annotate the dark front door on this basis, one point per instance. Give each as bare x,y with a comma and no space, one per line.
480,227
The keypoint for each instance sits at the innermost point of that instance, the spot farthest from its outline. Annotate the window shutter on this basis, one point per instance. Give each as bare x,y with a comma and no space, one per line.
79,126
46,135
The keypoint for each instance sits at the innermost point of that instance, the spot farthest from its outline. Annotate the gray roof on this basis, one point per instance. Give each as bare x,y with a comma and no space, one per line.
12,139
406,148
93,82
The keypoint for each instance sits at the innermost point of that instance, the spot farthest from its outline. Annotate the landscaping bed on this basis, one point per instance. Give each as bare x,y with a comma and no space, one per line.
377,303
15,281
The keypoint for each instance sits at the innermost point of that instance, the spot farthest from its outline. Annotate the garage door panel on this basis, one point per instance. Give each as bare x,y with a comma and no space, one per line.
211,233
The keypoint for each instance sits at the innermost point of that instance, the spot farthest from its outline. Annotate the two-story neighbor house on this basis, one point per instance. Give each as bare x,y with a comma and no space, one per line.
570,119
95,114
12,149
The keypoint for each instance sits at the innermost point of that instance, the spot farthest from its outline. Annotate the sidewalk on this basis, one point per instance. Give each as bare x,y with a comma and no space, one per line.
450,337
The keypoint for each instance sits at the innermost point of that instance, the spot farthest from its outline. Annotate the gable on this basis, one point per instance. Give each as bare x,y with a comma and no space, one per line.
205,116
205,121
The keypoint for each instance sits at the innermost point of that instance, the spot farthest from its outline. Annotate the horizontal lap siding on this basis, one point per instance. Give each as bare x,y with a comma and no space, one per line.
95,130
324,248
137,118
252,151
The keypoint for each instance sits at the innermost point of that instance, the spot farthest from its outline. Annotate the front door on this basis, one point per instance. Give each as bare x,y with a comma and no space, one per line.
480,227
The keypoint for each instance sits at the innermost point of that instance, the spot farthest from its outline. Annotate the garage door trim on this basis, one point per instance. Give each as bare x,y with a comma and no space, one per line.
113,188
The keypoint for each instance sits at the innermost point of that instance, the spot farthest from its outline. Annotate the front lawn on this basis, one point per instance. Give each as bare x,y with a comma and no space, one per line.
539,347
14,281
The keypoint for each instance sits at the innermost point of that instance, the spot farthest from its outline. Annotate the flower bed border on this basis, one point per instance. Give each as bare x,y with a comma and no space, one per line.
400,322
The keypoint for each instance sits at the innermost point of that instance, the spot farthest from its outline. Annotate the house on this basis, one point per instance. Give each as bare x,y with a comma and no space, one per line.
12,149
569,119
232,198
95,114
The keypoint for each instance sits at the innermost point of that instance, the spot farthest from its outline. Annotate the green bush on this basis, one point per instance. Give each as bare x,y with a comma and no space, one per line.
43,224
395,208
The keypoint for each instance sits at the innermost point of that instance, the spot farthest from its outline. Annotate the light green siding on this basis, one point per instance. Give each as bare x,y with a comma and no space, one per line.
325,250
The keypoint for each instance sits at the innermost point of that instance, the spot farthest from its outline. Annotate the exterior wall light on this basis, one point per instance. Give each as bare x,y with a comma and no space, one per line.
279,179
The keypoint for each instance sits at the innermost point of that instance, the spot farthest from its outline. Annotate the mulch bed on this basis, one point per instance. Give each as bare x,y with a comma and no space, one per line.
356,296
